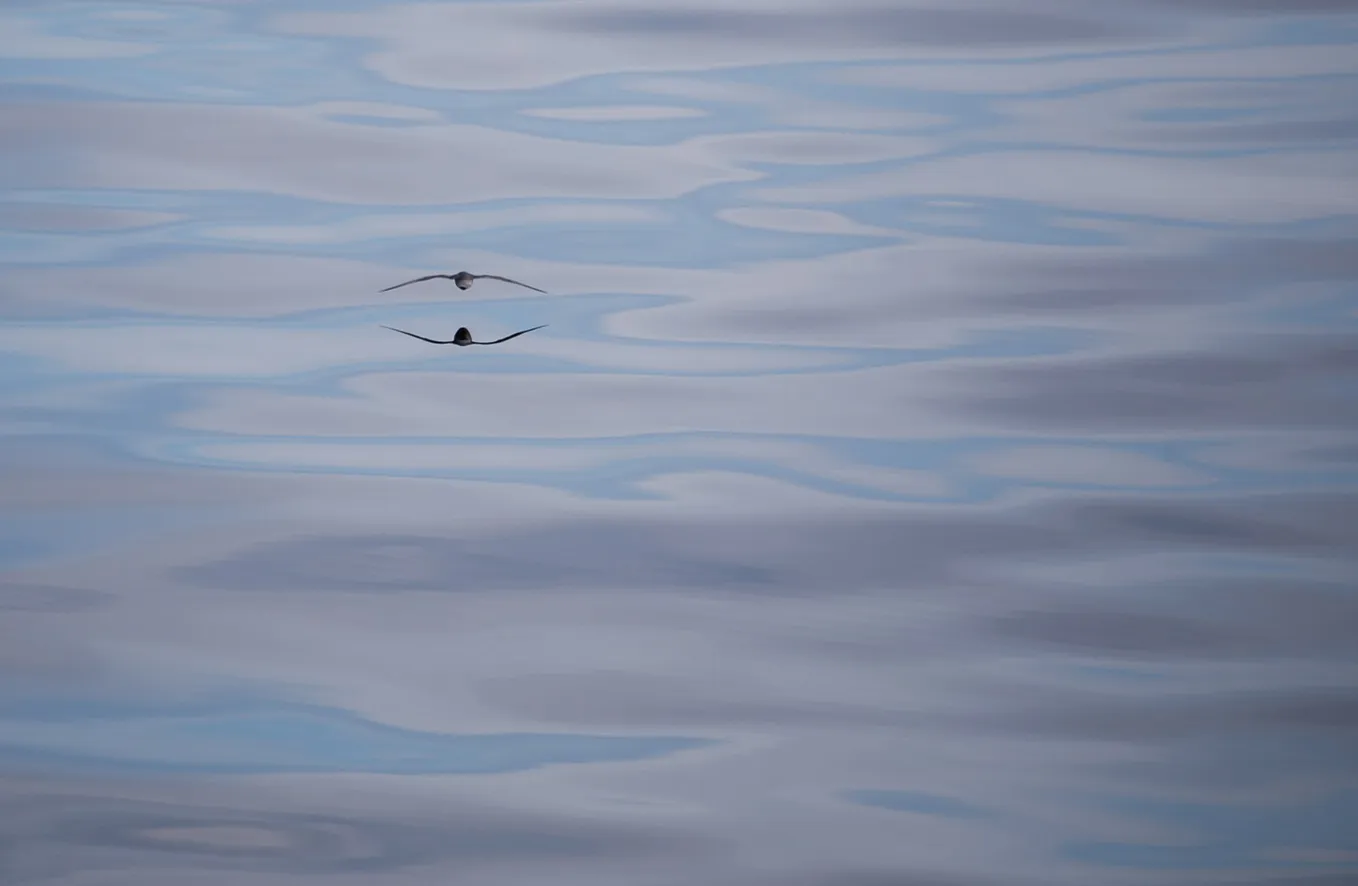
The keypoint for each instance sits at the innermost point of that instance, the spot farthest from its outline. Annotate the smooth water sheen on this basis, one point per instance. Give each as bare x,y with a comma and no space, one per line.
938,468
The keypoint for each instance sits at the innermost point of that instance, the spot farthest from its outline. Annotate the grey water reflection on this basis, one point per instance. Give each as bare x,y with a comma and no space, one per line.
938,467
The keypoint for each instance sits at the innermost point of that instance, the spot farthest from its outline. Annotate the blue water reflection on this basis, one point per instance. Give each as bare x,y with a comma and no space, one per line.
938,465
243,738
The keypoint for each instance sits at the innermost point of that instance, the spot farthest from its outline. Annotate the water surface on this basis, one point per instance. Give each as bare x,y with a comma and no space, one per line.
937,469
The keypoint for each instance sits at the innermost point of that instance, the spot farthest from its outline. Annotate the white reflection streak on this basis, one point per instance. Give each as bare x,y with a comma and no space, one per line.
226,351
552,456
893,402
1091,465
1050,75
22,38
1283,188
801,221
376,226
302,153
615,113
520,45
1121,118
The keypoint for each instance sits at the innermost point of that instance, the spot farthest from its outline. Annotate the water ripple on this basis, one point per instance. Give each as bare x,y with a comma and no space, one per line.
938,466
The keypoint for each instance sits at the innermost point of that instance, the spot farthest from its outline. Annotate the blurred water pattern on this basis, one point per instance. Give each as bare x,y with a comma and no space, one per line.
938,468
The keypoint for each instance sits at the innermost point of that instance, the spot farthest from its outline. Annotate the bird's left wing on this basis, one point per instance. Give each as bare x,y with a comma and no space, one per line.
507,280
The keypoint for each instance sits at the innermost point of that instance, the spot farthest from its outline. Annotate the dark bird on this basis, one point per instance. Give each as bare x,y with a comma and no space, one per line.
462,337
463,281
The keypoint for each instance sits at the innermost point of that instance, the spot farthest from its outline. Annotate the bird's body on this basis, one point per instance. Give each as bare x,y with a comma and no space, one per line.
462,337
463,280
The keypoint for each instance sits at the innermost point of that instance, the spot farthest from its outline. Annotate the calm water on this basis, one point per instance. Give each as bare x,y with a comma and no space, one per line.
937,470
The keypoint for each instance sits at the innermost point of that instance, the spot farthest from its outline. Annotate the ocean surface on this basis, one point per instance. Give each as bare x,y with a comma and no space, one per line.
938,467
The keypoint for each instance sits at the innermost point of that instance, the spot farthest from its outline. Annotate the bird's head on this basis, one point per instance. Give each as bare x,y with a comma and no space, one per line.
463,336
463,280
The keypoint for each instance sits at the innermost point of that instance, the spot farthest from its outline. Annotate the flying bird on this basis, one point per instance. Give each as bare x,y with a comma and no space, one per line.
463,281
462,337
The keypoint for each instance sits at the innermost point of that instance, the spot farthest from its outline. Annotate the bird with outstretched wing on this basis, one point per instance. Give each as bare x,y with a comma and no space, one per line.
463,281
463,336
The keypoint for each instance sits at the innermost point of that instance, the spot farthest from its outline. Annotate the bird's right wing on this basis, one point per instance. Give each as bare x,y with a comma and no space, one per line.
432,341
416,280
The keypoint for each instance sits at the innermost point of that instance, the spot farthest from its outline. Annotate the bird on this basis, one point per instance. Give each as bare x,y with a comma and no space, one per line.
463,336
463,281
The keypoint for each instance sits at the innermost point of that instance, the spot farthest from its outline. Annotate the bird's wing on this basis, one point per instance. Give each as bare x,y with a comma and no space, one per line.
506,338
432,341
507,280
416,280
